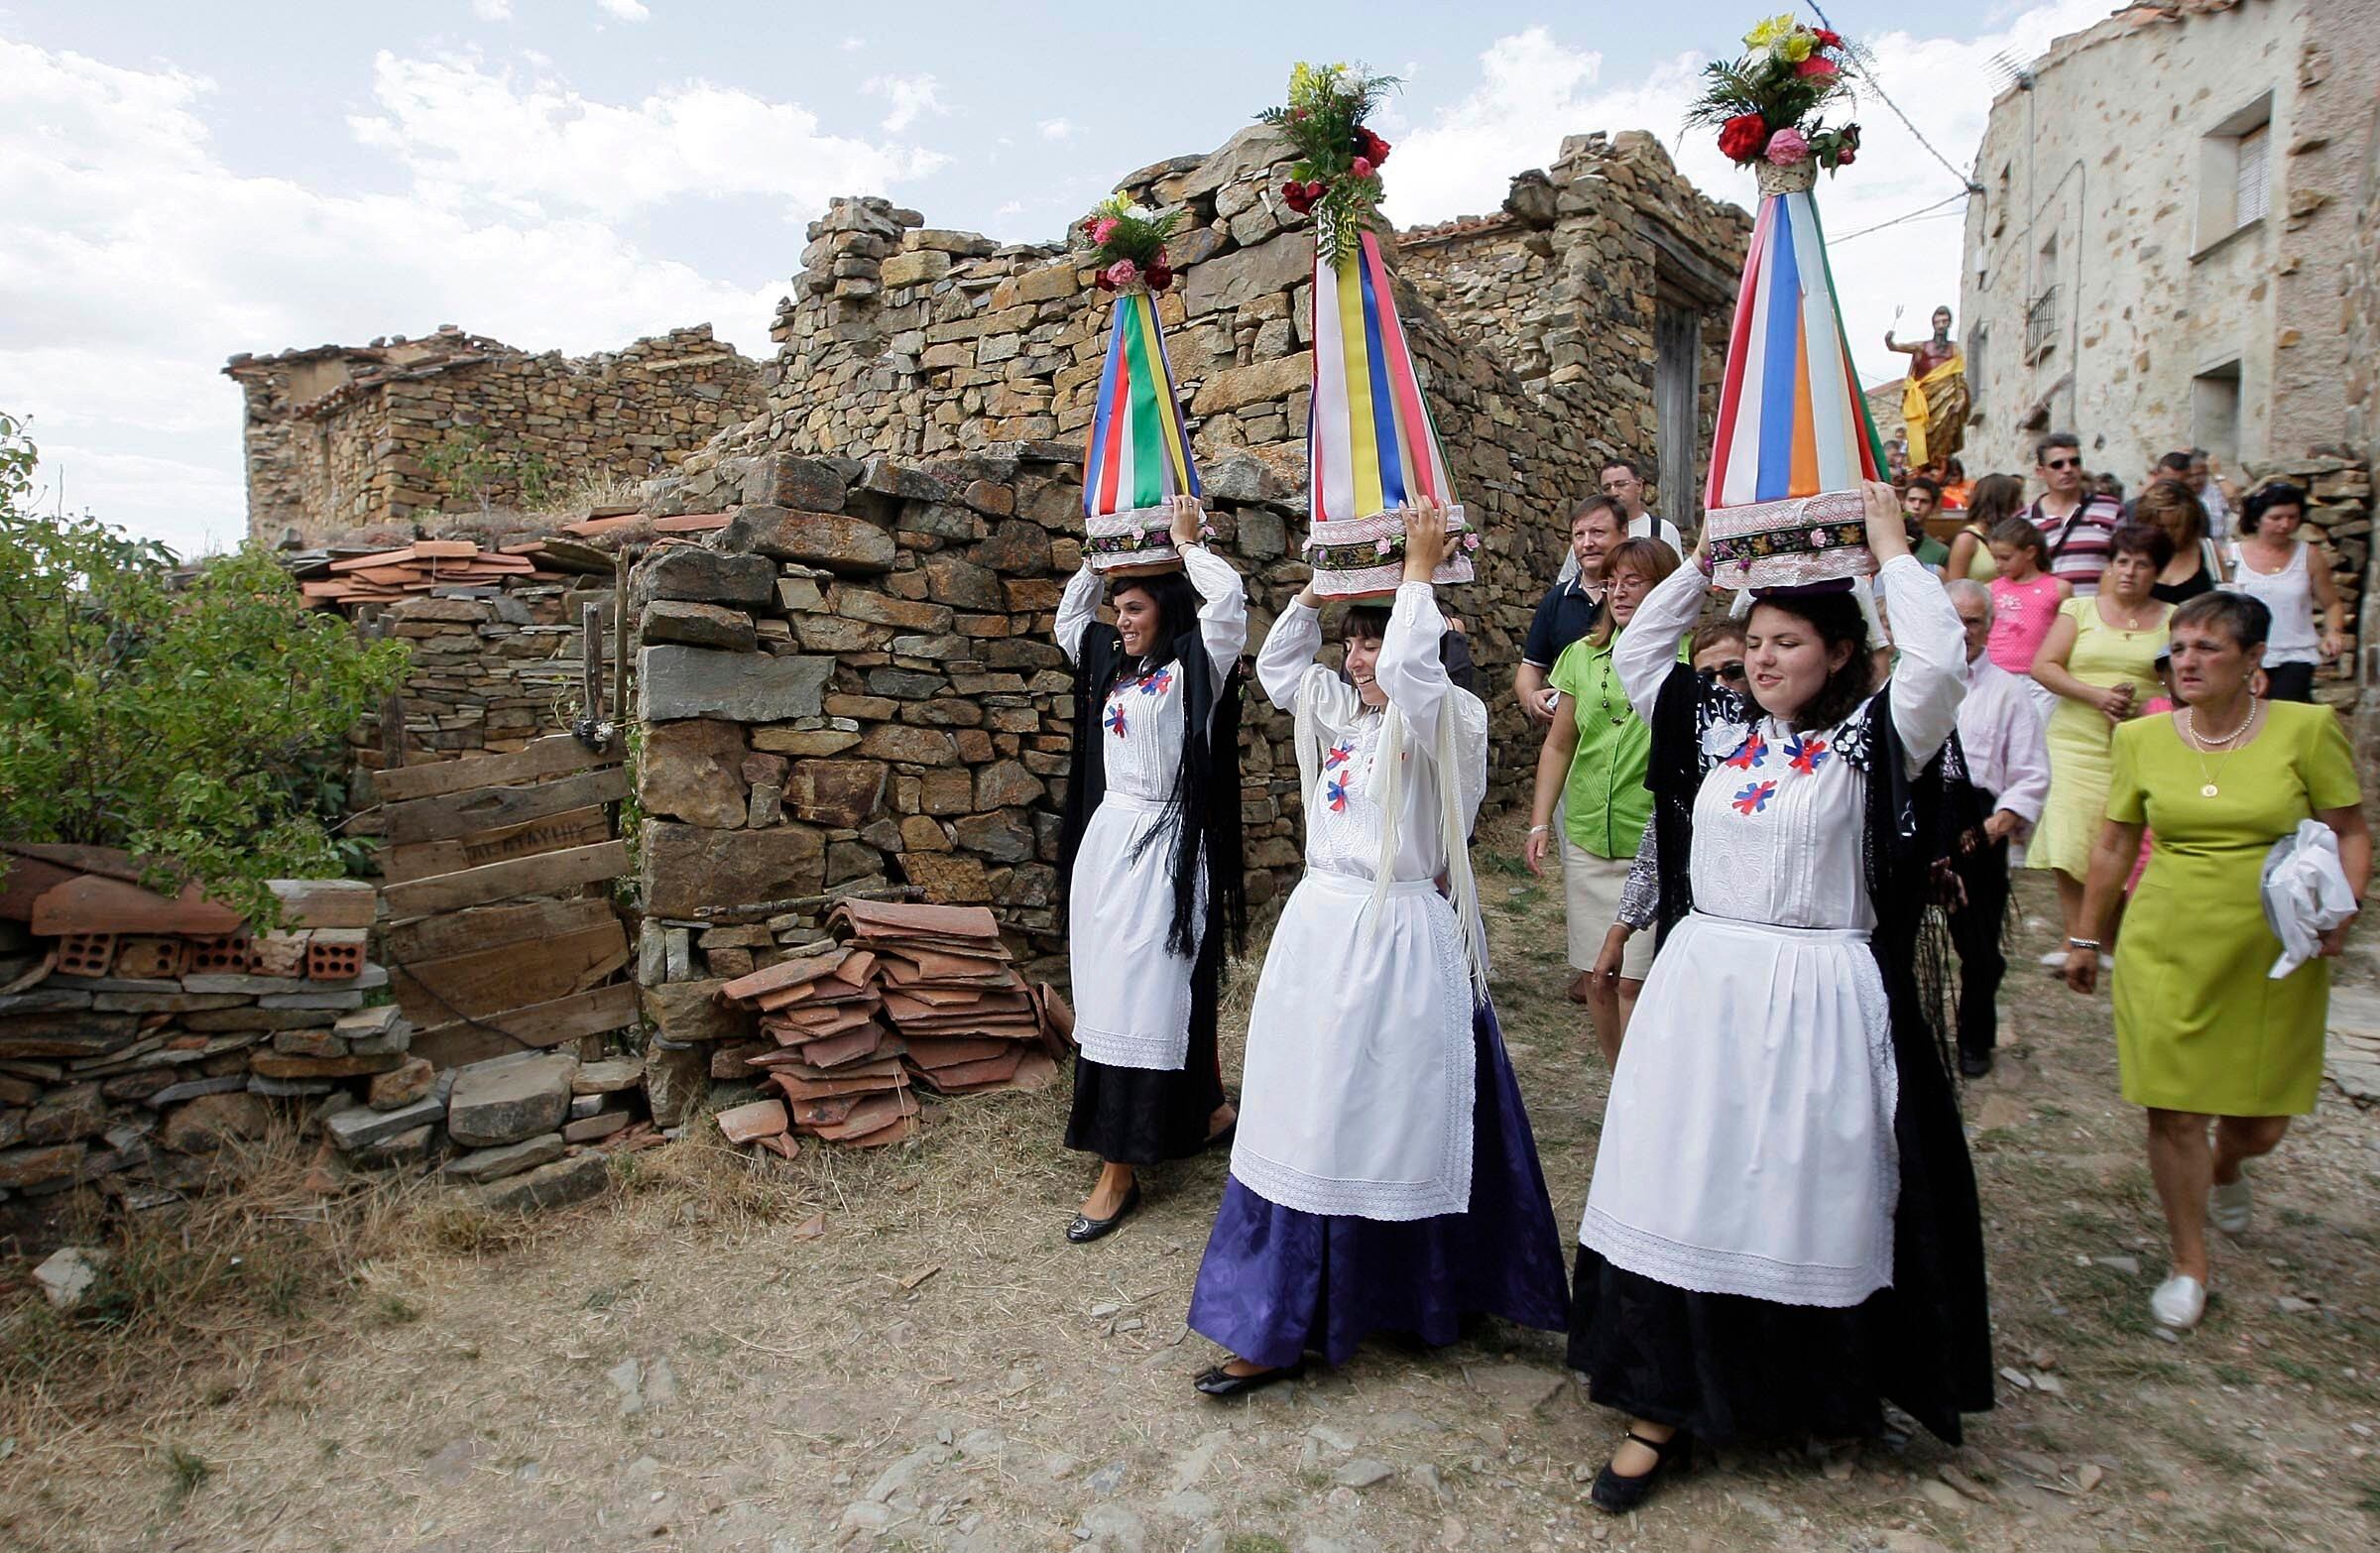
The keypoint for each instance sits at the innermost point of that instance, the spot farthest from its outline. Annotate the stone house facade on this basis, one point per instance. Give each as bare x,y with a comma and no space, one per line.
345,438
2167,209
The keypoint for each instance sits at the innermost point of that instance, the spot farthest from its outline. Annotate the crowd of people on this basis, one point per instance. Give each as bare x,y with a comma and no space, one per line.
1756,816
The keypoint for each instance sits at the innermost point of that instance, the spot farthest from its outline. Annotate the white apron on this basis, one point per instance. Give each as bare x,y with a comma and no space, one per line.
1361,1073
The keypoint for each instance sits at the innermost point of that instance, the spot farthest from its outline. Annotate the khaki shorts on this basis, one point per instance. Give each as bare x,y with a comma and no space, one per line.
1591,890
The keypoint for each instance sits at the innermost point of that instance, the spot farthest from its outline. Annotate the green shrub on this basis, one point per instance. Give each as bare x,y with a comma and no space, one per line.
195,718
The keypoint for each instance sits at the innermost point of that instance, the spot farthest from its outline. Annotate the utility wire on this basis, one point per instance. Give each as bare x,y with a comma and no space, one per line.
1966,183
1897,220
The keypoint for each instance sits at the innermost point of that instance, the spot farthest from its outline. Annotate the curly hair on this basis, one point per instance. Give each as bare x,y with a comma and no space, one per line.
1836,619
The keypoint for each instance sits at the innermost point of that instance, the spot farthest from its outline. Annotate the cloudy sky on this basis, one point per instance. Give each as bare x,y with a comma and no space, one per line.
185,182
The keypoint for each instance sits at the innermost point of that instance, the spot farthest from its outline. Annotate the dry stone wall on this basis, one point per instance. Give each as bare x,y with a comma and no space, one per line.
492,669
345,438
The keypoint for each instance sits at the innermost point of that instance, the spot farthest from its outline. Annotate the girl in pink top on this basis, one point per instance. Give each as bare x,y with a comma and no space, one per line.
2024,596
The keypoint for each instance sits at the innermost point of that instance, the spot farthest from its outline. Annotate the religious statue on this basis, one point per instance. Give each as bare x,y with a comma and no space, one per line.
1934,398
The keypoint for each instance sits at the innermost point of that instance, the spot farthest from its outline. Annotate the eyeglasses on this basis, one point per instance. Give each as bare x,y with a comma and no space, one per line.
1732,670
2062,463
1622,484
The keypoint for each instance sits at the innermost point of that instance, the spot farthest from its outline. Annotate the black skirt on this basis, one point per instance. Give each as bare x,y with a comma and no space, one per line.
1146,1116
1724,1366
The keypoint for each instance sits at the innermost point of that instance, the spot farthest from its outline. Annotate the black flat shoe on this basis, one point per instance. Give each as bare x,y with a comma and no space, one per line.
1219,1381
1222,1139
1084,1229
1975,1064
1620,1494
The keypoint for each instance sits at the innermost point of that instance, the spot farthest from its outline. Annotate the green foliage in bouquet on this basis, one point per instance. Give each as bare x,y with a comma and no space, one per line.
1337,175
1766,104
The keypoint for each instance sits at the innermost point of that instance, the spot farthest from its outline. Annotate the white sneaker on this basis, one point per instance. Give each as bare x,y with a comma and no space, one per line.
2055,959
2232,1206
2179,1303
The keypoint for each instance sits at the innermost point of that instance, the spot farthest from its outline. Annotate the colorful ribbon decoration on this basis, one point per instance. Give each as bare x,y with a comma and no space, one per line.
1792,421
1138,457
1374,447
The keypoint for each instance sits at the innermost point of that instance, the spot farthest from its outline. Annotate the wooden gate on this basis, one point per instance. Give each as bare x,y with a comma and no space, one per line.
497,874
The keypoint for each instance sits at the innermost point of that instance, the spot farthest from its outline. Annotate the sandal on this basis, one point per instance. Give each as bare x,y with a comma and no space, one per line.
1619,1494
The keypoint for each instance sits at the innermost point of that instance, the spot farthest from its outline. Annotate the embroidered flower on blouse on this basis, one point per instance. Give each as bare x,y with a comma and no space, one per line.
1334,792
1750,752
1116,718
1755,799
1725,738
1336,755
1157,683
1804,754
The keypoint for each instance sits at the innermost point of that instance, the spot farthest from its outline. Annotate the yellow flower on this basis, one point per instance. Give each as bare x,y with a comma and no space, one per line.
1798,45
1768,32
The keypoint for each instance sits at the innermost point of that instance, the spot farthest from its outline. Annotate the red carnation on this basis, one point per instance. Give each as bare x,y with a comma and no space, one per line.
1099,280
1158,275
1818,65
1742,136
1828,39
1845,157
1371,146
1294,194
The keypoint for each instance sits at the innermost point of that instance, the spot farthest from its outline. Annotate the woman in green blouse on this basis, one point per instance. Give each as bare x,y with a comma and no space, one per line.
1594,759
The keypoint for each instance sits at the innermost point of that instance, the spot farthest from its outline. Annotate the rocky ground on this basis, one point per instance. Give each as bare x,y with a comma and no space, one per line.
896,1351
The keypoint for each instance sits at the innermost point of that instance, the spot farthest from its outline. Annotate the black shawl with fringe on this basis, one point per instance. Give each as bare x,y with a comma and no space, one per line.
1206,791
1933,1345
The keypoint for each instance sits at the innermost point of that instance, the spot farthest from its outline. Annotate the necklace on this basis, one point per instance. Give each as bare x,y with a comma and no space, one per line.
1602,697
2131,619
2199,744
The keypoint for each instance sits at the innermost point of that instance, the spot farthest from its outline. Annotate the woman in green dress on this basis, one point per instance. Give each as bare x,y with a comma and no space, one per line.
2100,660
2204,1035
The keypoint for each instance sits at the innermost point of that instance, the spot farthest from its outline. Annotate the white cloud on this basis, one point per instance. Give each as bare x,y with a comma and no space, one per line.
492,10
1058,129
853,45
1010,207
625,10
910,97
469,135
153,262
1534,90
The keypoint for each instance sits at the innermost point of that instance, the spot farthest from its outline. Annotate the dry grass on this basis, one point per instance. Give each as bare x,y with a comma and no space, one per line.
440,1377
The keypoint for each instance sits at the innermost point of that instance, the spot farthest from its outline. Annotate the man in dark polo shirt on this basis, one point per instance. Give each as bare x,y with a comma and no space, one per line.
1570,607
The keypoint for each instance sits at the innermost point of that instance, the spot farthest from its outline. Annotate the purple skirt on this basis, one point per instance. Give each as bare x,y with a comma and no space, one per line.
1276,1282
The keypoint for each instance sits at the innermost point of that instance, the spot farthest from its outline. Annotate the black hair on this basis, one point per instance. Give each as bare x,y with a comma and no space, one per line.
1929,486
2178,463
1954,468
2240,616
1368,621
2265,498
2065,439
2141,538
1177,610
1837,618
1621,461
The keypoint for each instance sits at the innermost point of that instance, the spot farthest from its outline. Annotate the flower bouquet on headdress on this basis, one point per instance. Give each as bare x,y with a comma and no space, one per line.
1138,457
1372,448
1794,440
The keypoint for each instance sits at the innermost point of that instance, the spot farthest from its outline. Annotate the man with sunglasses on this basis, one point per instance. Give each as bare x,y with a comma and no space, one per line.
2078,523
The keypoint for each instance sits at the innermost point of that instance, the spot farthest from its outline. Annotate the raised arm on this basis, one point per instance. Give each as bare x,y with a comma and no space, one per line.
1077,607
1222,605
1290,648
1929,680
1409,671
1644,655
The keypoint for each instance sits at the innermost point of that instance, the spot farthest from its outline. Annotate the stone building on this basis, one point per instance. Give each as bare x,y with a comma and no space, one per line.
2167,209
854,681
341,437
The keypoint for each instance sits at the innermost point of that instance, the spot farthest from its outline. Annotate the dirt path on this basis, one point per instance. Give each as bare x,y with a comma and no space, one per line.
693,1368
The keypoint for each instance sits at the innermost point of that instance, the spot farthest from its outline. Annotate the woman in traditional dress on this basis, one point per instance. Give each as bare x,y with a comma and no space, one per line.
1151,860
2100,660
1383,1178
2204,1031
1782,1230
1592,761
2292,580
